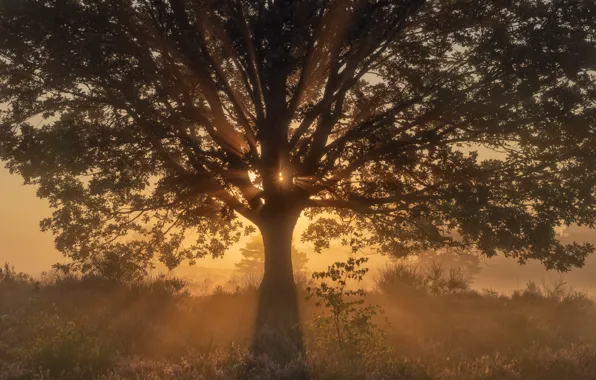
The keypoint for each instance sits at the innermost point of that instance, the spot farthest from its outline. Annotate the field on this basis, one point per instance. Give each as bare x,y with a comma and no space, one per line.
428,325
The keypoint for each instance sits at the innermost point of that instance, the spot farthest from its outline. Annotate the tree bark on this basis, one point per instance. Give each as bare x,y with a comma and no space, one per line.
277,331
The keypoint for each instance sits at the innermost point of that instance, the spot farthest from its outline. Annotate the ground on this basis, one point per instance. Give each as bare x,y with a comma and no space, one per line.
73,328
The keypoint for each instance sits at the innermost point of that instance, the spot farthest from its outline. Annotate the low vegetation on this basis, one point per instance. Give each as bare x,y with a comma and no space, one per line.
419,323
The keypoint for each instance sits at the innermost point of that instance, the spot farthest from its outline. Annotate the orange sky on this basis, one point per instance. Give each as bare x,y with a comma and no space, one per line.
21,241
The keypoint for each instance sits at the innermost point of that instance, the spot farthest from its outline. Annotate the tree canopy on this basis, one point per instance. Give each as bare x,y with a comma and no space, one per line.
181,120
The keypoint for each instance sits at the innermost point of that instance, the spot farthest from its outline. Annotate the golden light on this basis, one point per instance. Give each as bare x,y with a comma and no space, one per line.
281,177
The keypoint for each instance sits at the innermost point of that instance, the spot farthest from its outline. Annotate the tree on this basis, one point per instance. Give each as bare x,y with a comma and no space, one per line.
253,257
468,262
177,118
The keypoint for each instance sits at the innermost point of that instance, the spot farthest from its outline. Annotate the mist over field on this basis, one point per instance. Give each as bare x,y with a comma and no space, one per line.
297,190
425,324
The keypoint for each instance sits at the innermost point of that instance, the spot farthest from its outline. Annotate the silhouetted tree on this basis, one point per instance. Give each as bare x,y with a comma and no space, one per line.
253,257
449,259
172,118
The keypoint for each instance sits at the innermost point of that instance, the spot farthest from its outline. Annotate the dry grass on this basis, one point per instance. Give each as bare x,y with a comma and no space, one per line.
435,327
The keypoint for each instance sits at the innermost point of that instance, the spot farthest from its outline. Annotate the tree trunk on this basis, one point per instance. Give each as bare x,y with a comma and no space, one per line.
277,330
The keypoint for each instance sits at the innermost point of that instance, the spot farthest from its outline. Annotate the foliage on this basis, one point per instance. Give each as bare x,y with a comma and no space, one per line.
9,276
76,328
253,258
72,351
402,277
464,260
413,125
113,265
347,323
559,292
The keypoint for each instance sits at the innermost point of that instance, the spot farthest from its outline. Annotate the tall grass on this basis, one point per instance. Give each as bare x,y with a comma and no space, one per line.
436,327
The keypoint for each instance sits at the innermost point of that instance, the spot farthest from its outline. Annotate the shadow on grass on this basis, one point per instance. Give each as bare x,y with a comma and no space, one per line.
278,334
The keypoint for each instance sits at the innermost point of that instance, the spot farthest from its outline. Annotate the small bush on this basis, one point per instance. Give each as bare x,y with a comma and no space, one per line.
559,293
400,278
162,286
71,351
345,330
404,279
9,276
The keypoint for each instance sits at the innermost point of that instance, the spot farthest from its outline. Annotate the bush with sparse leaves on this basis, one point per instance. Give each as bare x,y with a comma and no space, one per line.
346,325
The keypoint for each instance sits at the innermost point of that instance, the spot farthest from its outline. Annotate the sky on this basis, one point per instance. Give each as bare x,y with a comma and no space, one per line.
23,245
21,241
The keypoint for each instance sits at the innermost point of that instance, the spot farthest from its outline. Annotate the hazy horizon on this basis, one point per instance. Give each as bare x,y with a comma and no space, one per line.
32,251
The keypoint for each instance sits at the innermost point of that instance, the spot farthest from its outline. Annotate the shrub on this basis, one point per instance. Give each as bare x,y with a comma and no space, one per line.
162,286
9,276
88,327
346,325
558,293
401,278
72,351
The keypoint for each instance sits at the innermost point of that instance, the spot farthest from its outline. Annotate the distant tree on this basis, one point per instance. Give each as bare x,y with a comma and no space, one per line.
9,276
172,118
253,257
448,259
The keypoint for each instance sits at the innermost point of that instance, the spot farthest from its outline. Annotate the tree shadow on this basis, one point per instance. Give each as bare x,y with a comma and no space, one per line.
278,334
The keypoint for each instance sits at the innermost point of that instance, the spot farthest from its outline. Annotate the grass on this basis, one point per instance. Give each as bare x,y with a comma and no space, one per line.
434,327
